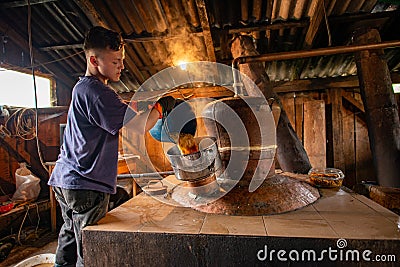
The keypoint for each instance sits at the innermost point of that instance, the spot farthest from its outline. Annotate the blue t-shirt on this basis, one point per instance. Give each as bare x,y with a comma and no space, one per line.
89,154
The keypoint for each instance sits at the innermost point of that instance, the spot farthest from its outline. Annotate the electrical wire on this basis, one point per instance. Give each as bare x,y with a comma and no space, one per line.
20,124
37,211
34,82
43,64
23,221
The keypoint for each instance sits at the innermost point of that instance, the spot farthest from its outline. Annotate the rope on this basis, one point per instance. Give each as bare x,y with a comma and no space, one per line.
21,124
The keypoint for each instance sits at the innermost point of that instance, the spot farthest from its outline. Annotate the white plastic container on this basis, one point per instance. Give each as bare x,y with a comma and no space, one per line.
37,259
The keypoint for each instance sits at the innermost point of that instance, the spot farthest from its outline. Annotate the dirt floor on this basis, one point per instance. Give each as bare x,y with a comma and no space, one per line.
47,243
37,238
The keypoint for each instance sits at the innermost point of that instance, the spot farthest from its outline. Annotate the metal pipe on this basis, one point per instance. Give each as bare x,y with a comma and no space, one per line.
144,175
313,53
237,82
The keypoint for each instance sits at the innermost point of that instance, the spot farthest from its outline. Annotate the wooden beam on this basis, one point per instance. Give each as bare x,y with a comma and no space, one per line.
97,20
128,39
357,104
21,3
188,93
61,47
205,24
322,83
268,11
11,146
353,105
316,14
91,12
275,26
351,18
40,57
315,84
140,38
15,216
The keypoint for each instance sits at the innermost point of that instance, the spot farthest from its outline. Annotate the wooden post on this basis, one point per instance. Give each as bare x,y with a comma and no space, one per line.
380,108
53,201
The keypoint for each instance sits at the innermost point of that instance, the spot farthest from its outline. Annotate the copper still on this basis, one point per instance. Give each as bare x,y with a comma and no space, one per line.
242,180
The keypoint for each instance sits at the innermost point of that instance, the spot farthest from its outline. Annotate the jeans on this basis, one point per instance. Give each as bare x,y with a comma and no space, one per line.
79,208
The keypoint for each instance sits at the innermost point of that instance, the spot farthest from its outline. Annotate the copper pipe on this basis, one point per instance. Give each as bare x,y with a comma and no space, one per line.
238,85
313,53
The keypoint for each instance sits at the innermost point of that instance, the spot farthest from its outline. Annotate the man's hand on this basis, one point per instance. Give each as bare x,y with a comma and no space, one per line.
164,106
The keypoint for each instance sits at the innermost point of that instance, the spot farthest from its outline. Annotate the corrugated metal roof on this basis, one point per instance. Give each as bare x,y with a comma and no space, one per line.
161,32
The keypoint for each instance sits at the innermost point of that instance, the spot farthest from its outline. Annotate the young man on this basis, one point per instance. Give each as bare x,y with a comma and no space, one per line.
86,169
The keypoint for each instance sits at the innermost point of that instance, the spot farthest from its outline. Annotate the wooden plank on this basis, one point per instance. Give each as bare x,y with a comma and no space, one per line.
14,217
315,84
316,15
349,149
337,129
315,133
10,144
357,153
363,155
356,103
91,12
299,113
275,26
205,24
49,128
318,84
388,197
212,91
186,93
288,105
53,209
53,201
8,165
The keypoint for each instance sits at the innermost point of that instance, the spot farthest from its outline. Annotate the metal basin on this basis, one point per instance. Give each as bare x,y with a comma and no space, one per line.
199,165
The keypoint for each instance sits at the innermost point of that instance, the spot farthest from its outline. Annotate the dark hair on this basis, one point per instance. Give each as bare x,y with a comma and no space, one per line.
101,38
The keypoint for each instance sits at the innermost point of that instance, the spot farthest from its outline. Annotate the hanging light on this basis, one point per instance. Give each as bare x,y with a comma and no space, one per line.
182,64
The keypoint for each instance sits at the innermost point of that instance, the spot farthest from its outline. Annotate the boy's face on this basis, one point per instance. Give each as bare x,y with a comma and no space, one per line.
110,64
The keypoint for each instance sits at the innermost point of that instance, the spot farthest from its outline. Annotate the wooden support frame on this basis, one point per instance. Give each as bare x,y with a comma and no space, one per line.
205,24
